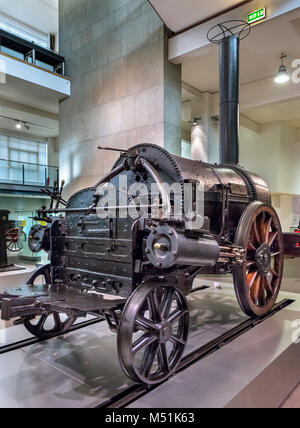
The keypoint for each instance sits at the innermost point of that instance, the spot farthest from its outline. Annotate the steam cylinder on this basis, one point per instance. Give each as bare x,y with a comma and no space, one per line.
167,248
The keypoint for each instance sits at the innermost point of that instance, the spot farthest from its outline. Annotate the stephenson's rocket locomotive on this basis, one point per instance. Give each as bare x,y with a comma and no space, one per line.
136,271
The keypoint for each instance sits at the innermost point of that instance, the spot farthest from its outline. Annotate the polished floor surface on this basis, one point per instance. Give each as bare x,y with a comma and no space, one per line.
258,369
81,369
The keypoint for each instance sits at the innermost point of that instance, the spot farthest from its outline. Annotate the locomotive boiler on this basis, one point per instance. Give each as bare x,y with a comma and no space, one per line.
129,248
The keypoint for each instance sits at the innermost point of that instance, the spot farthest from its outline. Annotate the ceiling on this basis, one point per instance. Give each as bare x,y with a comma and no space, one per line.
51,3
39,14
35,104
31,95
180,14
35,130
288,111
260,54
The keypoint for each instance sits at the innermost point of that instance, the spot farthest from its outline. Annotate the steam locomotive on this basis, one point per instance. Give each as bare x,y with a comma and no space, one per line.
135,271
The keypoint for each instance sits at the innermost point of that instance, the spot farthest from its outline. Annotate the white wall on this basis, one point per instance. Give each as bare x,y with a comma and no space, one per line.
284,207
289,161
260,153
214,143
205,136
275,155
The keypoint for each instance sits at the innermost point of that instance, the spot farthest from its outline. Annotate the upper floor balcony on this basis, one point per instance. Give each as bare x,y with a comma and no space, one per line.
36,72
31,52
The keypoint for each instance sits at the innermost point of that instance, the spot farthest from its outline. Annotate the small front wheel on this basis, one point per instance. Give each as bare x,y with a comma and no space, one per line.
48,325
153,332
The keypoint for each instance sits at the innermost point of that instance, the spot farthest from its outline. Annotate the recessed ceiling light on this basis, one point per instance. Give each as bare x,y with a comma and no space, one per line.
18,125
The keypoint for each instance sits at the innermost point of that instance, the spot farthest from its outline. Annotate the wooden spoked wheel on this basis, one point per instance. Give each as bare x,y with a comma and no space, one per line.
48,324
153,333
257,282
15,238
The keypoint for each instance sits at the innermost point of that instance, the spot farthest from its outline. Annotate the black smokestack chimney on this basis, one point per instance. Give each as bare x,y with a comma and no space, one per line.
229,99
228,36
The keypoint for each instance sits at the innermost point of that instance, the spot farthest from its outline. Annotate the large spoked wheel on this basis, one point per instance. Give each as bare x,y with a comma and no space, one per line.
257,282
49,324
153,332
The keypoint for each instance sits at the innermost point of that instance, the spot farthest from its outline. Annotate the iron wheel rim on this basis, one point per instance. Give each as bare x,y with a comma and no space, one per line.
257,285
153,332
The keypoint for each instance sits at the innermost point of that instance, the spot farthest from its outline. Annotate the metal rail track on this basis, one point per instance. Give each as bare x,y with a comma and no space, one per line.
135,392
32,341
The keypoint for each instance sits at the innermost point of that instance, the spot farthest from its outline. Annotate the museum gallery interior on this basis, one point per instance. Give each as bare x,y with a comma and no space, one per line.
149,206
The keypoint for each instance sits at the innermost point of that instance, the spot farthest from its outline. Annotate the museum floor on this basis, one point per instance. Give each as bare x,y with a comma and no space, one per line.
81,369
291,284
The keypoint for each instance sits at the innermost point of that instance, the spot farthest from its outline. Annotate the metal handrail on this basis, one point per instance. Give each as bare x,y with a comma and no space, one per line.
24,167
29,163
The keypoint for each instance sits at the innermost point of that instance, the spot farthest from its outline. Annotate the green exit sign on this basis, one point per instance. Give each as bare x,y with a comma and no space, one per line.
257,15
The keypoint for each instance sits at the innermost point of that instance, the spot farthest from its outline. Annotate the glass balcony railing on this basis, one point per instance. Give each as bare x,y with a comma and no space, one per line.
28,174
33,53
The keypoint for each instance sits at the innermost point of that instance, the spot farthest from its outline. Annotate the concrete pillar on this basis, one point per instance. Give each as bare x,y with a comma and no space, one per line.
124,90
53,161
